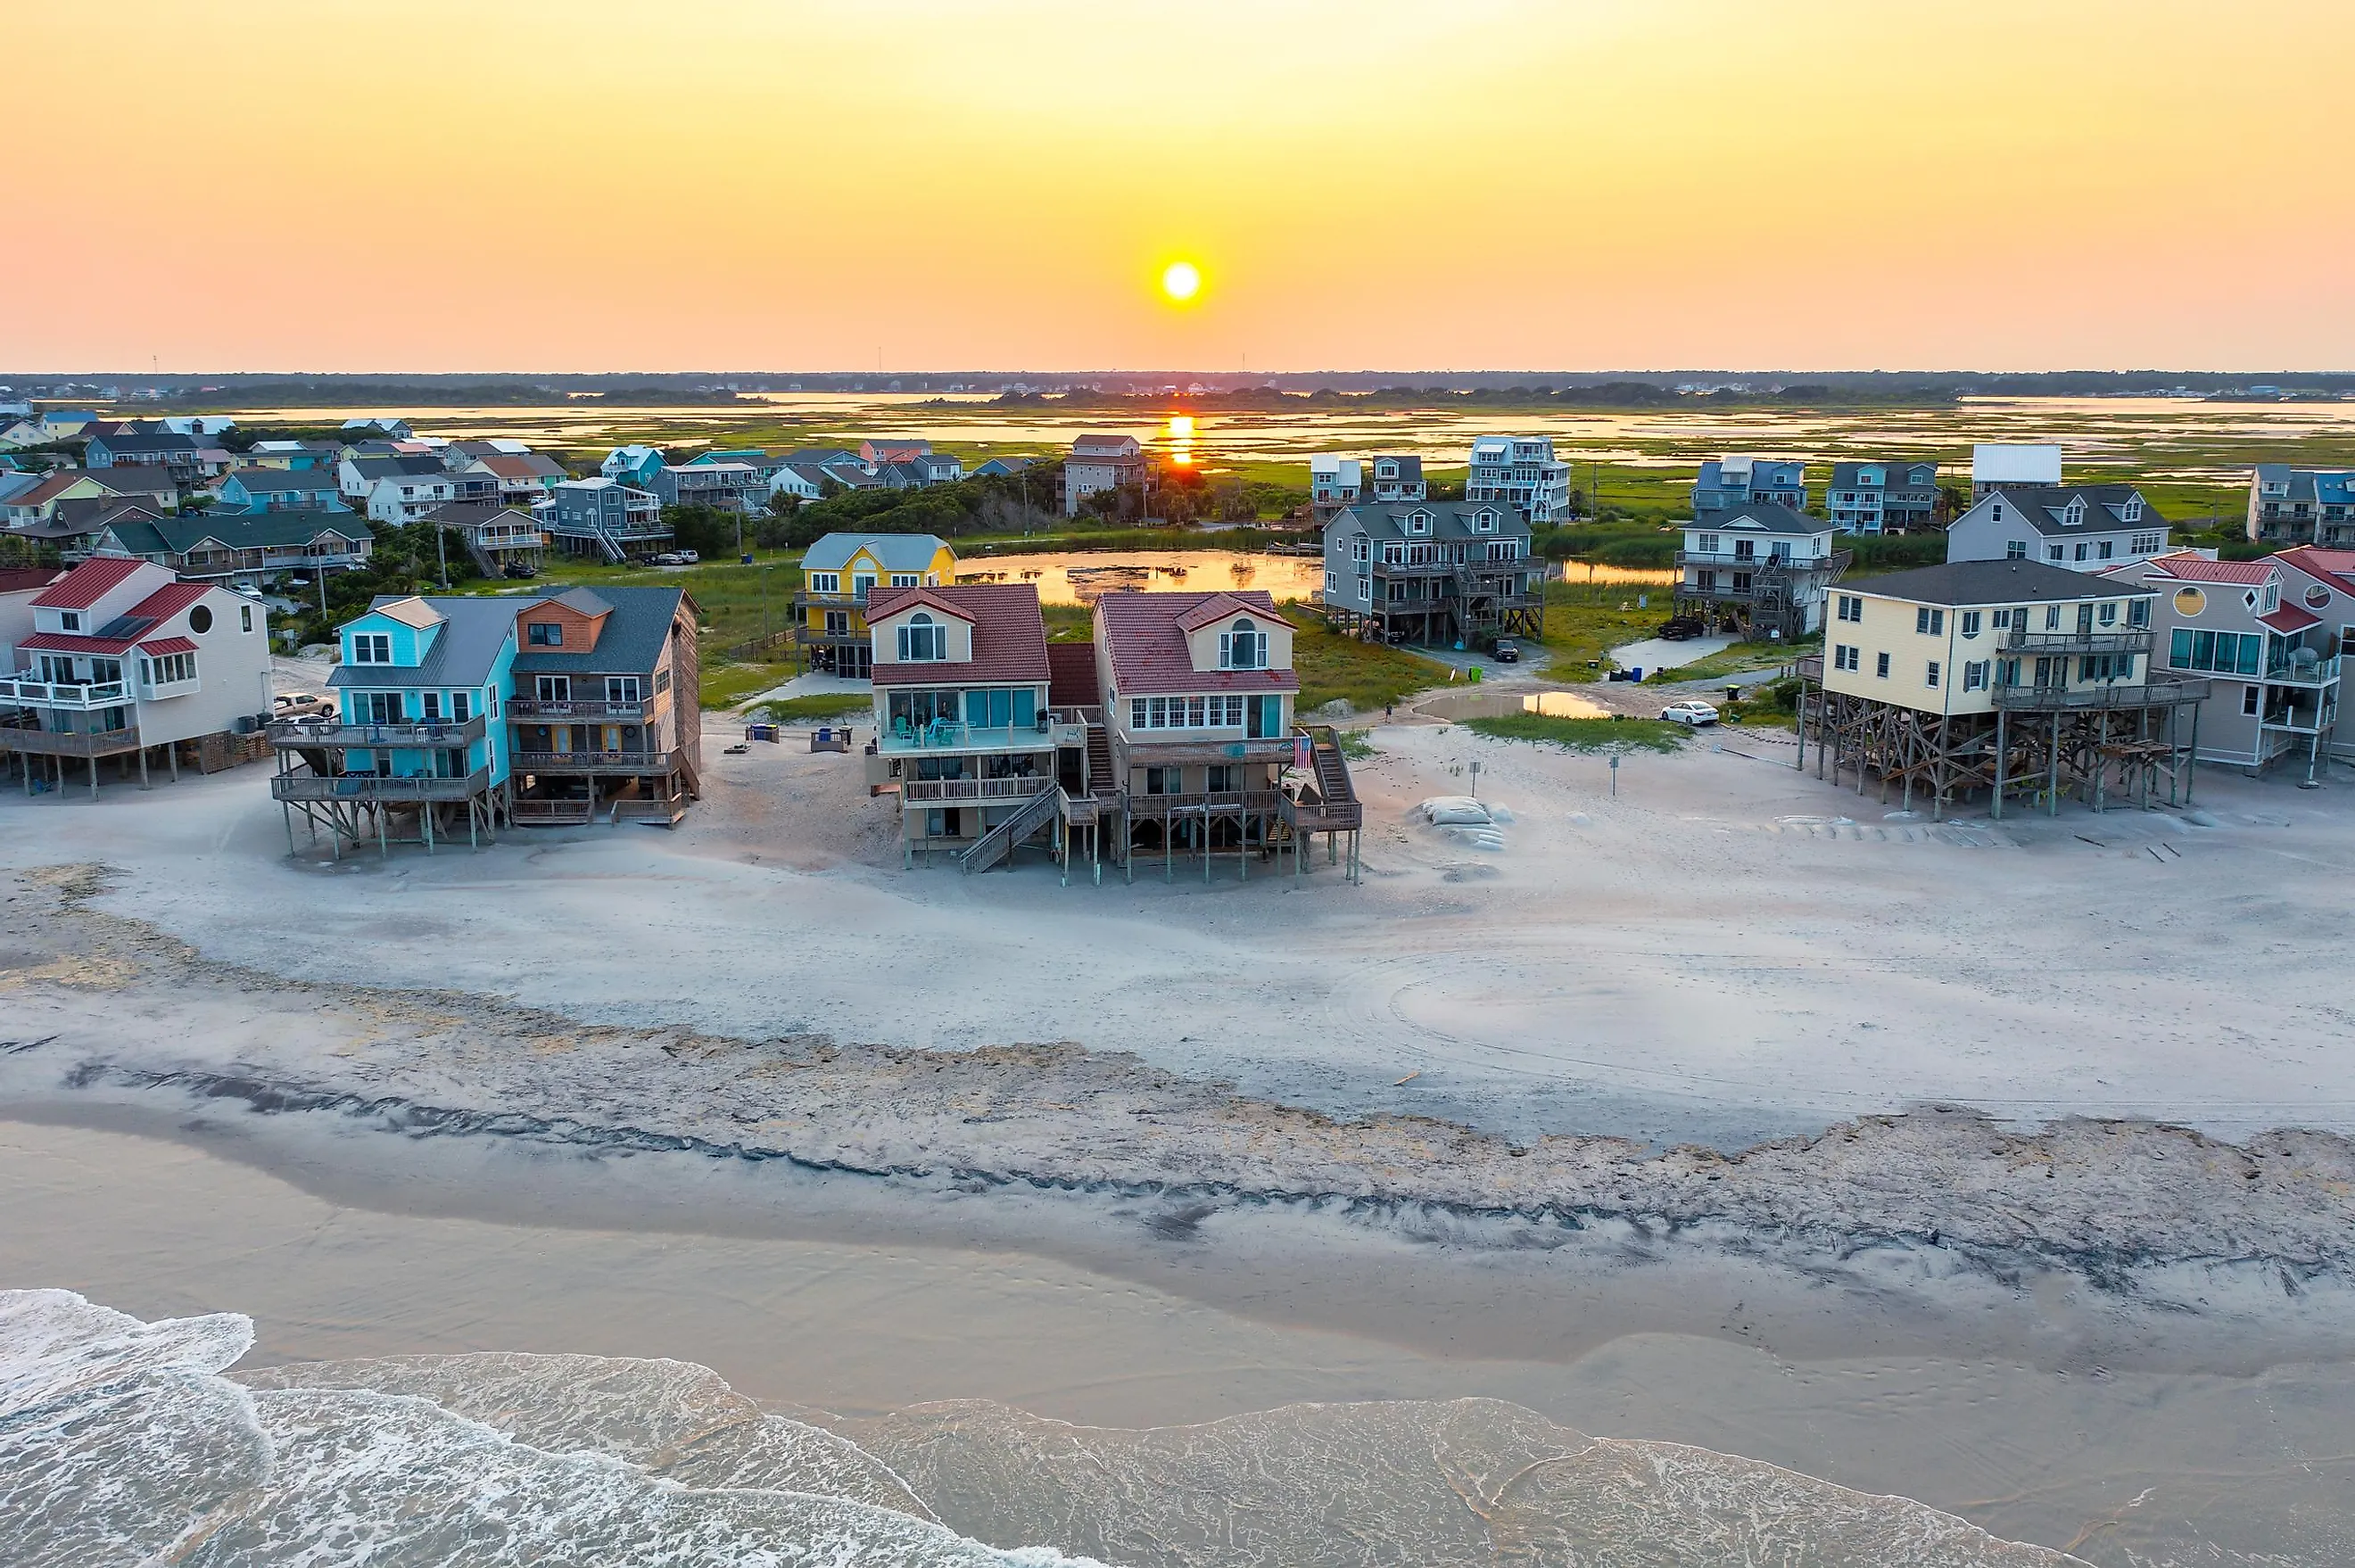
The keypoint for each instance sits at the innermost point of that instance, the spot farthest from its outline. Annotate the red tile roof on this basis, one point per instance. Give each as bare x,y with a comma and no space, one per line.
882,602
1074,682
2290,618
1010,635
1220,607
2200,568
1149,652
86,584
2335,568
169,599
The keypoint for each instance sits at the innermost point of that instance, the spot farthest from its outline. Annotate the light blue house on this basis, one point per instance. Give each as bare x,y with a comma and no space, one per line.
633,466
257,490
418,748
1725,484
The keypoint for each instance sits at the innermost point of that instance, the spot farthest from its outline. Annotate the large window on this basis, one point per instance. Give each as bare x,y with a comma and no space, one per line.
2106,666
1851,607
622,688
552,687
1930,623
922,639
1242,645
371,647
826,582
171,668
2224,653
1011,709
1186,712
544,634
912,710
1844,656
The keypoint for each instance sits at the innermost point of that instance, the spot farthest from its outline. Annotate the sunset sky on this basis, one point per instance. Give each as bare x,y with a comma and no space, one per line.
596,185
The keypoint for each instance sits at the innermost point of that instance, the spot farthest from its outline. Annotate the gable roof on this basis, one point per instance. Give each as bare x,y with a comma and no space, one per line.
2045,507
893,553
2187,567
147,534
1896,476
1010,635
86,584
278,481
1449,519
474,631
637,622
1144,636
2334,568
395,465
1221,606
518,466
1760,518
1992,582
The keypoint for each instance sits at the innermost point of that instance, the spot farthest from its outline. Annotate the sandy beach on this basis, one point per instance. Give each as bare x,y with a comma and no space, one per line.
1720,1084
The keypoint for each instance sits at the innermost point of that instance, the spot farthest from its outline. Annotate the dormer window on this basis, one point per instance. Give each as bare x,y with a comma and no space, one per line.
371,647
544,634
2076,515
923,640
70,620
2133,508
1484,522
1242,645
1418,522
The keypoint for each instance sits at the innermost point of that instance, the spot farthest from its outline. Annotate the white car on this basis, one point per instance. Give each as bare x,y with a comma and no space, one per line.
1691,711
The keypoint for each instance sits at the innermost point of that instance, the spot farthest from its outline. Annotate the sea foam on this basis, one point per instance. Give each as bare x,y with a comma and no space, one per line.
124,1442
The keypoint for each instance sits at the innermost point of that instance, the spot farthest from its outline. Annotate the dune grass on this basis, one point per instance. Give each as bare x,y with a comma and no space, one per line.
1366,675
817,708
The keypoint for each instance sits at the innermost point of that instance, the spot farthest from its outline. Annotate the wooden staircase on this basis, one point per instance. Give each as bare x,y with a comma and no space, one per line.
998,843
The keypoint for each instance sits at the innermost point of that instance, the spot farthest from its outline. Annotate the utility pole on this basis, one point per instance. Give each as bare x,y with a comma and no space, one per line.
441,554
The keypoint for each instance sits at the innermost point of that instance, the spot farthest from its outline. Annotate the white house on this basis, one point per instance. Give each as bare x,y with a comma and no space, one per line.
2000,463
408,496
1521,471
2085,527
126,661
1099,463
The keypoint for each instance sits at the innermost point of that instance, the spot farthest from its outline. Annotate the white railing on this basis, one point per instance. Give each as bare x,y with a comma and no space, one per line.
80,695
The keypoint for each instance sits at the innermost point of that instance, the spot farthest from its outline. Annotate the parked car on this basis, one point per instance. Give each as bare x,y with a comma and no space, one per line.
687,557
1691,711
299,705
1683,629
519,571
668,558
1507,651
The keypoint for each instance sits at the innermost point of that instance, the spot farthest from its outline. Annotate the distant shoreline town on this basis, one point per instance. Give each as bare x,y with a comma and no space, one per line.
2065,646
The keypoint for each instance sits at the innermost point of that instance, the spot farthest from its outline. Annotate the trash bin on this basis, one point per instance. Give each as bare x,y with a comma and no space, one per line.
1734,694
745,560
1476,672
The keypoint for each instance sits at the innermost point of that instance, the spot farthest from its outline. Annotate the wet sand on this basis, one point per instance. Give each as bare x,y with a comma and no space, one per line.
164,1228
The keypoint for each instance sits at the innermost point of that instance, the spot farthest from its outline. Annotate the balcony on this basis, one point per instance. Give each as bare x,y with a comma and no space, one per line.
806,599
2073,699
914,790
624,763
68,742
2127,640
1146,750
445,734
2322,672
1798,566
949,736
642,711
1251,802
77,697
371,788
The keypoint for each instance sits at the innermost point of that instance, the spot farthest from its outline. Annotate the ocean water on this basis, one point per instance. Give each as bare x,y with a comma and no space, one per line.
125,1442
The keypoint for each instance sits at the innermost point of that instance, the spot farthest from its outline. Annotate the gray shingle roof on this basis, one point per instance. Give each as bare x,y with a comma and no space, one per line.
637,625
1896,475
1992,582
241,531
2044,507
465,650
895,552
1449,519
1761,517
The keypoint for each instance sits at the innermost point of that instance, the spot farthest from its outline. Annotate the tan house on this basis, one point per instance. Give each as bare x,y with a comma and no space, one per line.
2007,676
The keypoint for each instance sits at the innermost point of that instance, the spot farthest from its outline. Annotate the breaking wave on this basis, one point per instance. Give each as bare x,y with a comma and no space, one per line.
128,1443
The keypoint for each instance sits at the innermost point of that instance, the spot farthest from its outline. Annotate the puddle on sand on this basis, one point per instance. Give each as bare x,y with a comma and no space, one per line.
1496,704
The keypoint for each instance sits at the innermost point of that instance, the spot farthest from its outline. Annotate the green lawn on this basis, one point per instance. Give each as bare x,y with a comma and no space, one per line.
1582,734
1369,675
1584,620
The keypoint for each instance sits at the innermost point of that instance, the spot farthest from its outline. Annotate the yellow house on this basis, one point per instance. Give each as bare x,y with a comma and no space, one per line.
1999,675
839,572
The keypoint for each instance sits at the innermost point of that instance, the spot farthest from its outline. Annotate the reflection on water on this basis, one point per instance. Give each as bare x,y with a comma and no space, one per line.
1084,577
1499,704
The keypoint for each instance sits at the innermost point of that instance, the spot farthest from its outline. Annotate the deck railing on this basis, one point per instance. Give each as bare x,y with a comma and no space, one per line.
68,742
448,732
975,789
75,695
296,784
636,712
2128,640
2063,699
593,761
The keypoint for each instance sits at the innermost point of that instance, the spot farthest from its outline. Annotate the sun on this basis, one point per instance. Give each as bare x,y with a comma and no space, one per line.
1181,280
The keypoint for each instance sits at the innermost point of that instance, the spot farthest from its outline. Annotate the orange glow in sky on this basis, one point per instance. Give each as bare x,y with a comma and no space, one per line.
773,184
